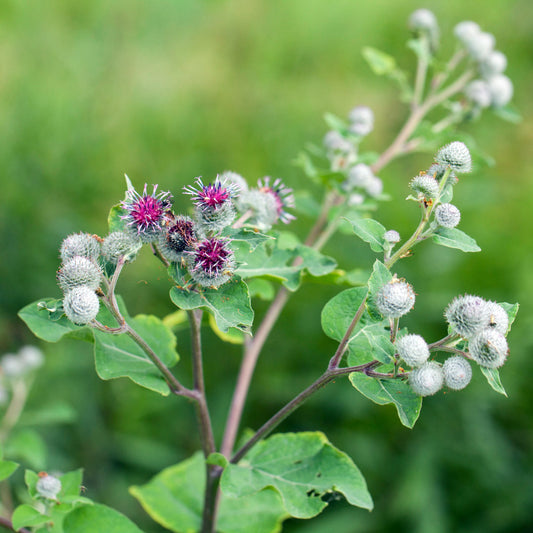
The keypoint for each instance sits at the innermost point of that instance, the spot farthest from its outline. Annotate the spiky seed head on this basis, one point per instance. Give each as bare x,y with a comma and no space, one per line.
467,315
498,318
80,244
488,348
456,156
180,236
232,178
425,185
48,486
447,215
392,236
12,365
361,120
81,305
31,356
478,93
335,142
395,298
413,349
501,90
211,263
495,63
466,30
263,207
481,45
145,212
427,379
79,271
120,244
282,196
457,372
438,172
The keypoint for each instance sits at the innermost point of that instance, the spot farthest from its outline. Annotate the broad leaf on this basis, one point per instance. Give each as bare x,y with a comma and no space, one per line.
511,310
380,276
301,467
27,516
7,468
29,447
248,236
493,378
115,221
455,238
92,518
120,356
380,62
385,391
229,304
174,499
370,231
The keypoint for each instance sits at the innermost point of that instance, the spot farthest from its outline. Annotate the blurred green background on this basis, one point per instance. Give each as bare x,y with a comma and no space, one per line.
168,90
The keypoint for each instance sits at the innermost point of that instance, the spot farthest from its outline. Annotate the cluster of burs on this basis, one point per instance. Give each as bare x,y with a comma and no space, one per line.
193,242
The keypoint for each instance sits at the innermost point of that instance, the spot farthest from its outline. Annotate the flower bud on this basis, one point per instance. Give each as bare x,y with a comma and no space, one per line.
374,187
179,237
466,31
501,90
12,365
498,318
422,20
361,120
457,372
81,305
488,348
211,263
481,45
438,172
467,315
235,180
48,486
82,245
413,349
392,236
120,244
359,175
478,93
31,356
495,63
447,215
427,379
456,156
79,271
335,142
426,186
395,299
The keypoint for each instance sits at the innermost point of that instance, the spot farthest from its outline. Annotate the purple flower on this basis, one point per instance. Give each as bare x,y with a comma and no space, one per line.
145,213
282,196
211,264
212,196
179,236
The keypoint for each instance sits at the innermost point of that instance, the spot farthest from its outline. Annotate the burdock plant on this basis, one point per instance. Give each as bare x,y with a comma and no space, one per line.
229,238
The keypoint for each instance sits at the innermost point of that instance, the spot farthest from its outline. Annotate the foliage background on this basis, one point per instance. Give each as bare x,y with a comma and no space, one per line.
172,89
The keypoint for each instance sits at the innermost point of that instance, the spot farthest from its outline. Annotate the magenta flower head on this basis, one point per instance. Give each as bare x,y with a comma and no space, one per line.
282,196
179,237
214,206
211,263
145,213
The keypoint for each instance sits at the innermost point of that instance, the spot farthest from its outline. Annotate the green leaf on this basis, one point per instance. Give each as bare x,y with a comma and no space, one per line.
217,459
71,483
385,391
174,499
229,304
114,220
380,62
301,467
91,518
421,48
233,335
27,516
335,123
508,113
7,468
261,288
251,237
120,356
493,379
455,238
46,320
28,447
370,231
512,311
380,276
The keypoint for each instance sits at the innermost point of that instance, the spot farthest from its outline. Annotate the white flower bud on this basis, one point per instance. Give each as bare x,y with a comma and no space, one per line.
422,19
355,199
457,372
359,175
447,215
455,155
361,120
426,186
80,244
498,318
478,93
488,348
232,178
392,236
466,30
374,187
501,90
467,315
12,365
48,486
395,299
427,379
494,63
481,45
120,244
31,356
79,271
335,142
81,305
413,349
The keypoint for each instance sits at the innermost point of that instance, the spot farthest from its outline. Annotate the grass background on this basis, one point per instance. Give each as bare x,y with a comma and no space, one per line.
172,89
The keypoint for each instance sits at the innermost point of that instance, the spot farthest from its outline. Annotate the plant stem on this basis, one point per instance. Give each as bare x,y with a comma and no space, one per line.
14,409
421,72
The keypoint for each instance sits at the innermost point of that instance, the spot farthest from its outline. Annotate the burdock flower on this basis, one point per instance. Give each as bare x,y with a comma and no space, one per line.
179,237
211,263
145,213
214,206
282,196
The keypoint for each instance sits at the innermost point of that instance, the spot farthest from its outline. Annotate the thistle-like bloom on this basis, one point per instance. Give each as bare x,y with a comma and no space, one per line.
145,213
211,263
498,318
80,244
447,215
438,172
179,237
489,348
79,271
456,156
282,196
120,244
427,379
413,349
214,206
425,185
395,298
81,305
48,486
467,315
457,372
